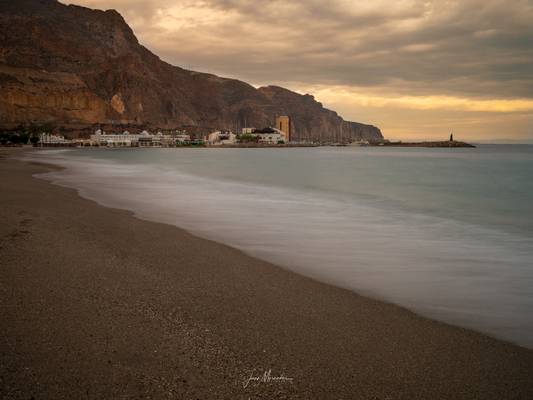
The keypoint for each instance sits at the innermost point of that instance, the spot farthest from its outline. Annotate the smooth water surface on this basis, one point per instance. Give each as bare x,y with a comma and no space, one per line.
447,233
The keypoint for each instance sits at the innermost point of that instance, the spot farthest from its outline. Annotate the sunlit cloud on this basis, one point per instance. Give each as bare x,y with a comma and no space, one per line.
360,97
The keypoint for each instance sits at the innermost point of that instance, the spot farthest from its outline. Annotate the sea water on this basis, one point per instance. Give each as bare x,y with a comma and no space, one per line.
447,233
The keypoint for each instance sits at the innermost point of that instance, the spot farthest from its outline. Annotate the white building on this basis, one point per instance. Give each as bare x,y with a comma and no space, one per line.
146,139
182,138
143,139
49,139
284,137
125,139
270,138
220,138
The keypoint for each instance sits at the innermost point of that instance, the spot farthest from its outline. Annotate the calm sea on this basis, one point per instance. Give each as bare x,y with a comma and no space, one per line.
447,233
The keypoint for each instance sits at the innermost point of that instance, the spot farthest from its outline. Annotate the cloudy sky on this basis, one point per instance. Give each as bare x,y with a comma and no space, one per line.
417,69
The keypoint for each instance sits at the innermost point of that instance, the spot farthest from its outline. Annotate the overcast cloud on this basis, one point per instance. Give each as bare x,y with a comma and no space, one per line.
415,68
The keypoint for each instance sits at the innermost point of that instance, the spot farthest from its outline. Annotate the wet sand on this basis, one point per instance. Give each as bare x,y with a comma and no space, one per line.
97,304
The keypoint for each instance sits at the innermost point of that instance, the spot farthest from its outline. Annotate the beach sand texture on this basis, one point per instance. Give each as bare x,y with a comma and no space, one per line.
97,304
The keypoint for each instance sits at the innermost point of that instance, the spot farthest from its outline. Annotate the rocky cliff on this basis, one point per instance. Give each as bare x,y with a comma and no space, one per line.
73,66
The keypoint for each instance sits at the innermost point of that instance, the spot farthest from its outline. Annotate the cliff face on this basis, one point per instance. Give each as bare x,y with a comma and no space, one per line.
73,66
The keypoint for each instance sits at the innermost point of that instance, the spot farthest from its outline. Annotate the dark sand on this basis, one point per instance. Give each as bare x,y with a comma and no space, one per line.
96,304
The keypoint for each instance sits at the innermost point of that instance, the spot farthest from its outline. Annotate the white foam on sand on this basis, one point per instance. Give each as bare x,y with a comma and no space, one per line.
448,270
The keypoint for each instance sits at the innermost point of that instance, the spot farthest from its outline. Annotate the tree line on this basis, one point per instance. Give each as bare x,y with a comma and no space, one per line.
24,134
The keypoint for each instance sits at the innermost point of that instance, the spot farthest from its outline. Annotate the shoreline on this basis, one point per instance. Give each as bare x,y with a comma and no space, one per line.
128,307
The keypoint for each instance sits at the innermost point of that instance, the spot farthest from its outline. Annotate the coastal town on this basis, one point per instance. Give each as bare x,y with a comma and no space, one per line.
249,136
279,136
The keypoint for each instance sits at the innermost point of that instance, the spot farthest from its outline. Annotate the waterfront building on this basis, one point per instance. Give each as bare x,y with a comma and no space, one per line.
125,139
47,139
276,137
146,141
182,138
219,138
283,123
269,136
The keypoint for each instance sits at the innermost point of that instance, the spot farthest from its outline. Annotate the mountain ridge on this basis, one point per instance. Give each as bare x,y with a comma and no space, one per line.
77,67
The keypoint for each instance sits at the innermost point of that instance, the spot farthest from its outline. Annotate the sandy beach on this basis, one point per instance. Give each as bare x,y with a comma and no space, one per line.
97,304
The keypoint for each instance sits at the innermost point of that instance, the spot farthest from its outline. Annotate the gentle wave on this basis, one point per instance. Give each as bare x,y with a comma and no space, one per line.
460,273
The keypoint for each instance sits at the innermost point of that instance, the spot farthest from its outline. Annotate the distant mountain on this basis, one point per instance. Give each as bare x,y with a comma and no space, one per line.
76,67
